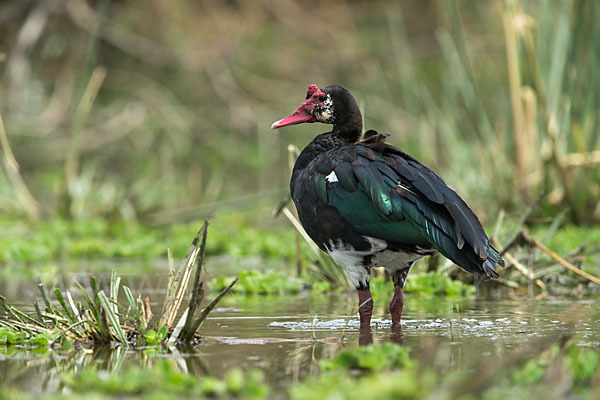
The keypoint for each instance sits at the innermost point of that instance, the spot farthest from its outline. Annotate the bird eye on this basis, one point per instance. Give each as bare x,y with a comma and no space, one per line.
322,98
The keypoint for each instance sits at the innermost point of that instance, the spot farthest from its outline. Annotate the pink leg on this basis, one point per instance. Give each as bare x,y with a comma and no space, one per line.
365,306
396,305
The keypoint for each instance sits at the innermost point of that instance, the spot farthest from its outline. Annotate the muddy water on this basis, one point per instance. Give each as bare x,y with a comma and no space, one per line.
286,336
285,329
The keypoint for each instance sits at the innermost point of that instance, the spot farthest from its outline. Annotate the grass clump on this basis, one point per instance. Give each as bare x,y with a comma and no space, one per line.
102,319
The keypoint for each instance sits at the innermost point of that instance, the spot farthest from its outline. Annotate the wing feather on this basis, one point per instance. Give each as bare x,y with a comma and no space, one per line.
383,191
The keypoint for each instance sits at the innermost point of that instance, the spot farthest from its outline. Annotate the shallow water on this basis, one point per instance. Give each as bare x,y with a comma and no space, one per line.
286,336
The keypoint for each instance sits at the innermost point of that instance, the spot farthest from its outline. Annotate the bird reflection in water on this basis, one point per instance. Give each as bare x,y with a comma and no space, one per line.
365,335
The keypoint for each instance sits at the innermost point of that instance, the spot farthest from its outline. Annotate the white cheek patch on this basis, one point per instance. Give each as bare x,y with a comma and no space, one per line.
332,177
326,111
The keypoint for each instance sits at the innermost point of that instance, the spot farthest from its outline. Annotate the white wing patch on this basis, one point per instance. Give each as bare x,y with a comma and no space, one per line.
332,177
401,186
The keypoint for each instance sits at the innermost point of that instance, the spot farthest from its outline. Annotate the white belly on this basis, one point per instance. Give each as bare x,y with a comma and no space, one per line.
353,260
395,261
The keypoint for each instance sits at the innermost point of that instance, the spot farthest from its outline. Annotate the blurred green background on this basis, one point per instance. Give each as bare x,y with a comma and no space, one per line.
161,110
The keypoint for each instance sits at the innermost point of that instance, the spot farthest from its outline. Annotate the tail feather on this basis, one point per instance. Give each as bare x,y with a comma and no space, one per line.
489,265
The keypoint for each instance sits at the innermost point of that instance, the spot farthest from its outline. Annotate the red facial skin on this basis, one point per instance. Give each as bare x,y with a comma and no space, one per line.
304,112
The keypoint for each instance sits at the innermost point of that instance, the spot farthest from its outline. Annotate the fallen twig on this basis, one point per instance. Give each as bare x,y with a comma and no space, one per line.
532,241
511,259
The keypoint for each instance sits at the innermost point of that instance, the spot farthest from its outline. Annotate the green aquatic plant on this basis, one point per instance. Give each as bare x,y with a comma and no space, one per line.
262,282
11,336
582,364
436,284
163,380
531,372
372,358
58,239
425,284
370,372
405,384
387,372
270,282
154,338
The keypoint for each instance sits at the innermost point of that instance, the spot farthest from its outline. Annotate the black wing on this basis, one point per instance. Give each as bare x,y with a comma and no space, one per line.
383,192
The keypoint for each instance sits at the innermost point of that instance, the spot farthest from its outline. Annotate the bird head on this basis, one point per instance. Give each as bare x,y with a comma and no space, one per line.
332,105
319,106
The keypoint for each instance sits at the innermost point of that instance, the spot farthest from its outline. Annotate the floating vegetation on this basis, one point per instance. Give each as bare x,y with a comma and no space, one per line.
162,380
102,319
60,239
386,372
370,358
425,284
257,282
262,282
40,250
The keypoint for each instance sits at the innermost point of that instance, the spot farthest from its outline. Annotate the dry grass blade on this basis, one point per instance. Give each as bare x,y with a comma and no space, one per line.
67,312
581,159
178,281
518,266
197,290
182,287
198,322
73,307
132,303
12,170
171,289
79,119
329,269
113,319
115,281
179,327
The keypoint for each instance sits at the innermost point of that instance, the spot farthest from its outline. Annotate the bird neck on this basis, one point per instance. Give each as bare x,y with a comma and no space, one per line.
351,129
